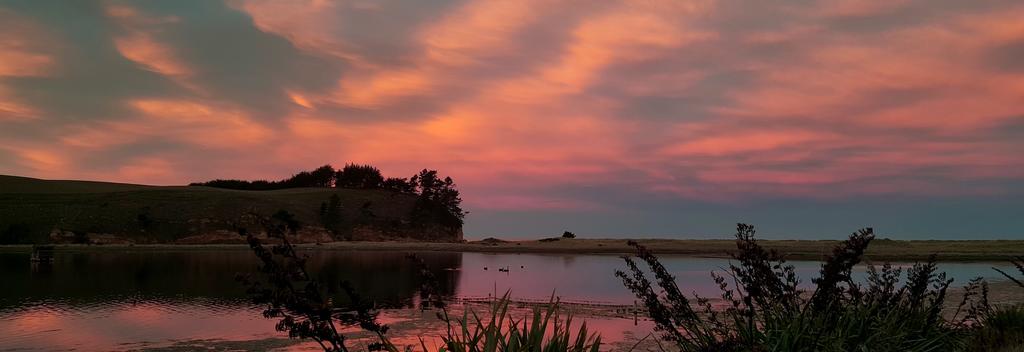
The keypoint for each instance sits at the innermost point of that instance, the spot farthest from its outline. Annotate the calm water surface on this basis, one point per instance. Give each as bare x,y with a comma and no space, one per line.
123,300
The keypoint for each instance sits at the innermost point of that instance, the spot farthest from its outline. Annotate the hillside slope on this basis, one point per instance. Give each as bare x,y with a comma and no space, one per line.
41,211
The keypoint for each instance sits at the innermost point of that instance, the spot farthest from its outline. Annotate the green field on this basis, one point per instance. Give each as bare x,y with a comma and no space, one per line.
30,209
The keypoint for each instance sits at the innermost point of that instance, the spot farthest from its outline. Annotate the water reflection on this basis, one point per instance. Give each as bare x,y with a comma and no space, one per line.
118,300
85,277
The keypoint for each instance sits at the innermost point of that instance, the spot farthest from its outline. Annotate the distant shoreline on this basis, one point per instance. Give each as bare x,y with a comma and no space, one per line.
880,250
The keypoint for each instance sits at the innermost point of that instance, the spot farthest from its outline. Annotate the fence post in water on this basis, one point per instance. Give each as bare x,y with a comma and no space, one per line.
42,254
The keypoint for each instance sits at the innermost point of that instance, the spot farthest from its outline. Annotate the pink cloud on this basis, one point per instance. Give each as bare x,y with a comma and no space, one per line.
27,50
140,43
680,98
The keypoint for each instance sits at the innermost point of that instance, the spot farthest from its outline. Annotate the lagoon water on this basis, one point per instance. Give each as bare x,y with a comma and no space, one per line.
124,300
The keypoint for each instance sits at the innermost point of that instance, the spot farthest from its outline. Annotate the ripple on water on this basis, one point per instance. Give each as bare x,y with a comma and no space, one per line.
127,322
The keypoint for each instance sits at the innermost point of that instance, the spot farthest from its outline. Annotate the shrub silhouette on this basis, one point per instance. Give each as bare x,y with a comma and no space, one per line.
1002,328
766,310
306,311
300,302
1017,262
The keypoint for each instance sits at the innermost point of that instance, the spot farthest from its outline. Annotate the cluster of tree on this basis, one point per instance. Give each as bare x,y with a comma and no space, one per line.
438,197
320,177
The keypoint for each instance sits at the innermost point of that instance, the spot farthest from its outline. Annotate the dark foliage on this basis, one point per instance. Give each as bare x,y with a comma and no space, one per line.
438,199
303,304
81,237
1017,262
359,177
330,214
320,177
399,184
366,214
766,310
543,332
1002,330
430,292
15,233
568,234
144,219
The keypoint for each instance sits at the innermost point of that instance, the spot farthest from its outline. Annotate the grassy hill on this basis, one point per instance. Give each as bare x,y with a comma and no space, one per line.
31,209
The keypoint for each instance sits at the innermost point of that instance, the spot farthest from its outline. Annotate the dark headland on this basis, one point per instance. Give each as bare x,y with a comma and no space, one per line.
357,215
363,206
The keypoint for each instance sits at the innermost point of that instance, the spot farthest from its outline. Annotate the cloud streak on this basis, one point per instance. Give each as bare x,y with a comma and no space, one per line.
530,105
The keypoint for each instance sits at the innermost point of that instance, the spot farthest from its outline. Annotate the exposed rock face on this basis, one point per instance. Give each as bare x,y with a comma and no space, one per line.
307,234
429,234
64,237
304,235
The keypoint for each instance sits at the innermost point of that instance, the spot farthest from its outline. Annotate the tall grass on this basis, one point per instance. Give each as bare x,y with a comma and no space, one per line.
1002,328
304,308
545,331
767,310
762,306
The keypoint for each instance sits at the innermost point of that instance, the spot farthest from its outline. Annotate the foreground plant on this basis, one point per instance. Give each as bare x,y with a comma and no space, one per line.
1002,328
306,310
765,308
301,303
1017,262
544,332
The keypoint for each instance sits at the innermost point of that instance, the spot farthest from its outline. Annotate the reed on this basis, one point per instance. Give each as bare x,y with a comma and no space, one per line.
767,310
305,308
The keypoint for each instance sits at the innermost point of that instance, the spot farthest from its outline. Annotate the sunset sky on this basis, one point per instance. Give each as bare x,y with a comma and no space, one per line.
608,118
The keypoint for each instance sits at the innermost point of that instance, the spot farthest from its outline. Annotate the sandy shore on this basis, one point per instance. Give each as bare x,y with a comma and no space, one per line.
880,250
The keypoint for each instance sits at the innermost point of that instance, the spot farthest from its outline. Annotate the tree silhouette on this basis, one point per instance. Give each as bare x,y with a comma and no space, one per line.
400,185
359,177
438,199
330,214
323,176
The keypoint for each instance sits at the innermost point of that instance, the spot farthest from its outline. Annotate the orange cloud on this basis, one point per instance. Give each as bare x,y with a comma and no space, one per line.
748,141
306,24
154,56
192,122
476,30
41,160
383,87
26,50
617,36
11,109
514,98
139,44
150,170
200,124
